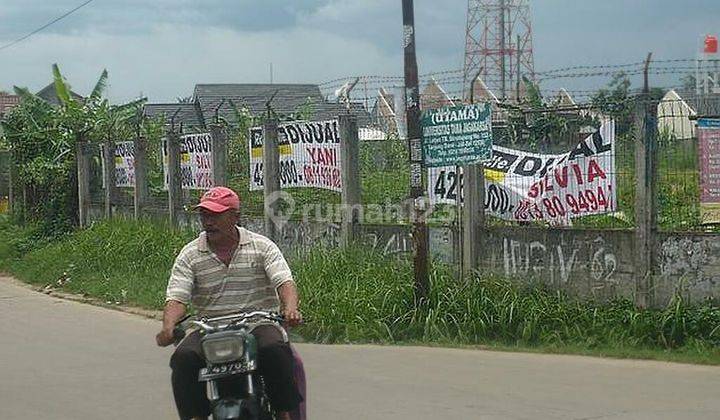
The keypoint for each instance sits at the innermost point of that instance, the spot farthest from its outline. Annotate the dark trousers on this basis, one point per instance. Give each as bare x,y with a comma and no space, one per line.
275,364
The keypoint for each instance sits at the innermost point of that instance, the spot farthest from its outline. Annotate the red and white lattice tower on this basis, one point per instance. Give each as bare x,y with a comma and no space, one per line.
499,45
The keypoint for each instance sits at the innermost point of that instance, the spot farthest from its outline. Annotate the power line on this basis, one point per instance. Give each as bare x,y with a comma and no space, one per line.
57,19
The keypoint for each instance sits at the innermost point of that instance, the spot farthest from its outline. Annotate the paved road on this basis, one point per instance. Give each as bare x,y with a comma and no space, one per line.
65,360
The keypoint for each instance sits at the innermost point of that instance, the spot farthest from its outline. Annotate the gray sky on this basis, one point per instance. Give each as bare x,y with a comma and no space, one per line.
163,47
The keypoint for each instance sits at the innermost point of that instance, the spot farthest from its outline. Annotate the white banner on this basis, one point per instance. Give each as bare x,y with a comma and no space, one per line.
196,162
524,186
124,164
309,155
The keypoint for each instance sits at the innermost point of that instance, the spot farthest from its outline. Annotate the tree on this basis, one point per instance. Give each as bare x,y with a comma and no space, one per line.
688,82
615,101
42,163
540,125
42,140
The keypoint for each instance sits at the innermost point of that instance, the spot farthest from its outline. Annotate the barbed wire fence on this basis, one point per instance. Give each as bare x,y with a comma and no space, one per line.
547,121
606,91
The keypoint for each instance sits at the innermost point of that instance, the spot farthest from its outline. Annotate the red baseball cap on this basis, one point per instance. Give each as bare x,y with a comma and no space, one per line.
219,199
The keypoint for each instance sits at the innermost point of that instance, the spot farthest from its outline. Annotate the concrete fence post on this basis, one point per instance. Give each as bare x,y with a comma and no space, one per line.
473,216
141,181
645,198
350,175
271,177
175,196
82,156
219,154
109,176
11,187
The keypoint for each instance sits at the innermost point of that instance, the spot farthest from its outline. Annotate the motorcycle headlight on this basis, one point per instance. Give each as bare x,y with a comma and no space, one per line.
223,349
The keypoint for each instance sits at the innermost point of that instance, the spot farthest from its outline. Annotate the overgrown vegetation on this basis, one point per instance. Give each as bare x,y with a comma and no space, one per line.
360,296
42,139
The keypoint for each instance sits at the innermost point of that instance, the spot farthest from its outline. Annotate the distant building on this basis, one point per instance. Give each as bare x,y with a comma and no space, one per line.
564,98
383,113
7,103
434,96
289,100
674,115
187,114
49,94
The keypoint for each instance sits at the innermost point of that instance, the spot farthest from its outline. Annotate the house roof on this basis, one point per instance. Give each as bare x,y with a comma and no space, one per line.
187,114
8,102
207,98
288,99
563,98
49,94
434,96
482,92
705,104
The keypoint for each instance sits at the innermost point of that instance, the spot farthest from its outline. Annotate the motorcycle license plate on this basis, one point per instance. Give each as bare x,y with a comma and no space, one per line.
223,370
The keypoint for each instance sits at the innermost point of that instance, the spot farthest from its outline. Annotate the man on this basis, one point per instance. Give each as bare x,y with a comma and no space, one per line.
225,270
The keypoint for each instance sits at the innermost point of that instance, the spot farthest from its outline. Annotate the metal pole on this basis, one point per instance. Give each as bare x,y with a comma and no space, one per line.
417,190
503,50
517,70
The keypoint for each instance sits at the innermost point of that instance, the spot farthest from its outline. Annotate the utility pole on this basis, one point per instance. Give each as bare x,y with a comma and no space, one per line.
417,190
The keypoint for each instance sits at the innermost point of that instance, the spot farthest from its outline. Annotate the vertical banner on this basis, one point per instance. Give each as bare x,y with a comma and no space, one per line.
196,161
309,155
124,164
523,186
709,156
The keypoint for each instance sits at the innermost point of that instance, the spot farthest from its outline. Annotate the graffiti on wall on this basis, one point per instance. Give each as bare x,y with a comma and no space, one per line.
559,263
691,263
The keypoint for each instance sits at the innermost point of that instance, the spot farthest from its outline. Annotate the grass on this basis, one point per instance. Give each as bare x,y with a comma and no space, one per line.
120,262
356,296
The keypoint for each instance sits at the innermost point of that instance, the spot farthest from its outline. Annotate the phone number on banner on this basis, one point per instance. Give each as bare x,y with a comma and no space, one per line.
583,203
310,175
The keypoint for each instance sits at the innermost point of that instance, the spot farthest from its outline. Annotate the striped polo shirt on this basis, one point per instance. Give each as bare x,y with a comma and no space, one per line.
255,272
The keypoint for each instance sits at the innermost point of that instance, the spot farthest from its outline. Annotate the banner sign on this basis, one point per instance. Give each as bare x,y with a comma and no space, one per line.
124,164
709,156
196,161
309,155
524,186
457,135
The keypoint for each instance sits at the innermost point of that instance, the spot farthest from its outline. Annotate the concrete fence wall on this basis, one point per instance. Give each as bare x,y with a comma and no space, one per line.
592,264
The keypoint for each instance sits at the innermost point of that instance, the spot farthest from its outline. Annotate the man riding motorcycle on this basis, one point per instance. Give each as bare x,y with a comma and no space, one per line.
227,269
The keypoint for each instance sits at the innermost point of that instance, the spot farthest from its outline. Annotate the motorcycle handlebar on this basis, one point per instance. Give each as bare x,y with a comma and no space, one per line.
205,323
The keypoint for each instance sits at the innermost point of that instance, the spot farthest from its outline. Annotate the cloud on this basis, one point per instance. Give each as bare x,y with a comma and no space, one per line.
172,59
138,16
164,47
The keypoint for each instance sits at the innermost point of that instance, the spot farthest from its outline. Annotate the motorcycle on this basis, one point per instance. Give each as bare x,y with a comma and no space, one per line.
236,390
